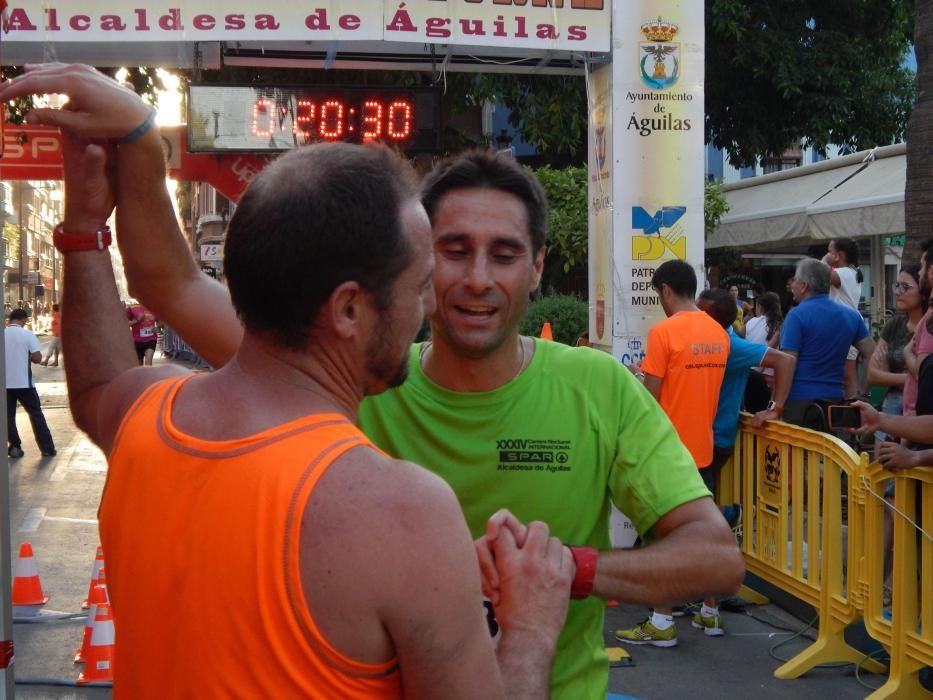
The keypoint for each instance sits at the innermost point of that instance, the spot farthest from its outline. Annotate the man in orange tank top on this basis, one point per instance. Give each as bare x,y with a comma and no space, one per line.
258,544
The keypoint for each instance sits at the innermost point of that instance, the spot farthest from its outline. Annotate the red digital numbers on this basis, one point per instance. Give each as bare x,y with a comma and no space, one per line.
334,119
372,119
399,122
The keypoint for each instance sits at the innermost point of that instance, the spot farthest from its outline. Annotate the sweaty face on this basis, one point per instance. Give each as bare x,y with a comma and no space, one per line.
484,269
411,301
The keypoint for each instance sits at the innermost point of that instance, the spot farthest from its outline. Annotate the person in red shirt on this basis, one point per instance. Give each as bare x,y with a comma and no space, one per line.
143,325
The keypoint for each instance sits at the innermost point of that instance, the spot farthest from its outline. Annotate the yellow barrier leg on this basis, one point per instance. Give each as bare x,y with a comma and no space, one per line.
828,648
753,596
901,684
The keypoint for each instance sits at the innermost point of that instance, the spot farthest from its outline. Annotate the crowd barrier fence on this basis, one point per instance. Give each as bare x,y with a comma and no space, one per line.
814,524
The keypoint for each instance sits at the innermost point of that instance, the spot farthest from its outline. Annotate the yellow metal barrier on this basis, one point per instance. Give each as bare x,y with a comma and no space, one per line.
908,635
814,524
796,532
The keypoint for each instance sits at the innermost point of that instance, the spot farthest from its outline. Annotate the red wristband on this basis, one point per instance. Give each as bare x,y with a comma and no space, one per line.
585,559
74,241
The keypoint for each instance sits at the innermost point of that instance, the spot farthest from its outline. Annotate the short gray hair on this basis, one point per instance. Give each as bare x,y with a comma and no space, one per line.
815,274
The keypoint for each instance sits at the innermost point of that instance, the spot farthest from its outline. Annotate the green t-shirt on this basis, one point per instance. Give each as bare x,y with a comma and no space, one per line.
571,432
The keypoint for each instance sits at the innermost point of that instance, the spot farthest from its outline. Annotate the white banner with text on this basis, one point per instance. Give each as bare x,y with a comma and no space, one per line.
570,25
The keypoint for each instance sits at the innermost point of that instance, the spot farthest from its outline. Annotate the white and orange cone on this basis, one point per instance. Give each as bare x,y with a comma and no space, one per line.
95,574
27,589
98,596
546,333
99,657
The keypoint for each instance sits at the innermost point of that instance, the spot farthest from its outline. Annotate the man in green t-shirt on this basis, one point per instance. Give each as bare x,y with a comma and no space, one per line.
549,432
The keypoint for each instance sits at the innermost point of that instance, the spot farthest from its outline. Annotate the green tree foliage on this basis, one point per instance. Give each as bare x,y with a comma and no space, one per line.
568,223
783,71
567,314
549,111
778,72
715,206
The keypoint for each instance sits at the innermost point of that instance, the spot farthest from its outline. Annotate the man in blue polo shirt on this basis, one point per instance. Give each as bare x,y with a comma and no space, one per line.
819,332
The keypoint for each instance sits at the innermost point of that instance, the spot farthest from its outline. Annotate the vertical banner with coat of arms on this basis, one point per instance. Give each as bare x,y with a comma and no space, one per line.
599,174
656,164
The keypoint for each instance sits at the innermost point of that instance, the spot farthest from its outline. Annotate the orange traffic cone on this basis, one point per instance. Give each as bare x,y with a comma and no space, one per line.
98,596
27,590
95,572
546,331
99,657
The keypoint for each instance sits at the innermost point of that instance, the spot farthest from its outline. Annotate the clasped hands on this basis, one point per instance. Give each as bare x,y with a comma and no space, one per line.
526,573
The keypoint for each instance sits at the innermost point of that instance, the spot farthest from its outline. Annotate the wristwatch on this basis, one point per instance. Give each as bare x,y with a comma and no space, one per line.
774,407
74,241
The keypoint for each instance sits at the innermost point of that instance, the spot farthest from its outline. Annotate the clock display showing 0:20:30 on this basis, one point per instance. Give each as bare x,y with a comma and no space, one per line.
334,119
275,118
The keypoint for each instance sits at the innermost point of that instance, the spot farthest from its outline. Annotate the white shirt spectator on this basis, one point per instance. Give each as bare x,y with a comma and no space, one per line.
849,291
19,344
756,330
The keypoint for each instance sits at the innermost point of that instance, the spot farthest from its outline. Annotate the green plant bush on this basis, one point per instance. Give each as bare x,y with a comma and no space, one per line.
568,223
567,314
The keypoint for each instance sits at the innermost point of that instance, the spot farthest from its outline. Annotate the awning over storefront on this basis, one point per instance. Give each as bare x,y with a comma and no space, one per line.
857,195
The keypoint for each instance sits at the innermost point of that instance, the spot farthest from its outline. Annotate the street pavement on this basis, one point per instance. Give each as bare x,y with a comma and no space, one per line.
54,507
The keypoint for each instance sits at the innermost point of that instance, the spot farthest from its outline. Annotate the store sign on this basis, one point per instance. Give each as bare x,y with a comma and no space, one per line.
212,252
574,25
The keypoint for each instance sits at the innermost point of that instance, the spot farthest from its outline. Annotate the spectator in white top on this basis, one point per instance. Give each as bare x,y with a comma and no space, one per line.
846,277
846,281
22,348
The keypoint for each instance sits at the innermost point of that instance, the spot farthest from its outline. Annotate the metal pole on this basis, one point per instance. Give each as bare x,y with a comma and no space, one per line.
6,572
879,291
22,239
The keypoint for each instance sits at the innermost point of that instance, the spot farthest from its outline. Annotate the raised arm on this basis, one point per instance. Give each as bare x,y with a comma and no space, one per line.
101,384
159,268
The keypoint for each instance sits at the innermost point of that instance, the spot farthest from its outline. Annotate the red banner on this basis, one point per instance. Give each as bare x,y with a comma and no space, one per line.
229,173
31,153
35,153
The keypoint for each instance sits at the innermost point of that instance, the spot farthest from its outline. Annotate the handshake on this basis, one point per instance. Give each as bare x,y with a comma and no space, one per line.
529,576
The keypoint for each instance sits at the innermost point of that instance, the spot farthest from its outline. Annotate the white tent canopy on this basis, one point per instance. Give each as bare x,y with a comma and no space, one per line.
857,195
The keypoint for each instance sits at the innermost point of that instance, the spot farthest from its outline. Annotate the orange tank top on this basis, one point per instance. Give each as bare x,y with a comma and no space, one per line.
201,540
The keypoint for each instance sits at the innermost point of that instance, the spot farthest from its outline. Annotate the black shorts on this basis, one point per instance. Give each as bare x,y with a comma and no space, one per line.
142,346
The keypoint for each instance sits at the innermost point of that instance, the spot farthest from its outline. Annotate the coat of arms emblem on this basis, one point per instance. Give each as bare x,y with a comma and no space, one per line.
659,56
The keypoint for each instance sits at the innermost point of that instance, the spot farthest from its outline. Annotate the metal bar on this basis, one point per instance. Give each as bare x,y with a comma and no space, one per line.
6,572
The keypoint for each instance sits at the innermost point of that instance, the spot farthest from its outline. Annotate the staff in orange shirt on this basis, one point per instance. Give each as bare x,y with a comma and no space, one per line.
683,369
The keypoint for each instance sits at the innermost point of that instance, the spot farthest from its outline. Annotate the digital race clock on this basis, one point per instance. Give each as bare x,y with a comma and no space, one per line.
277,118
